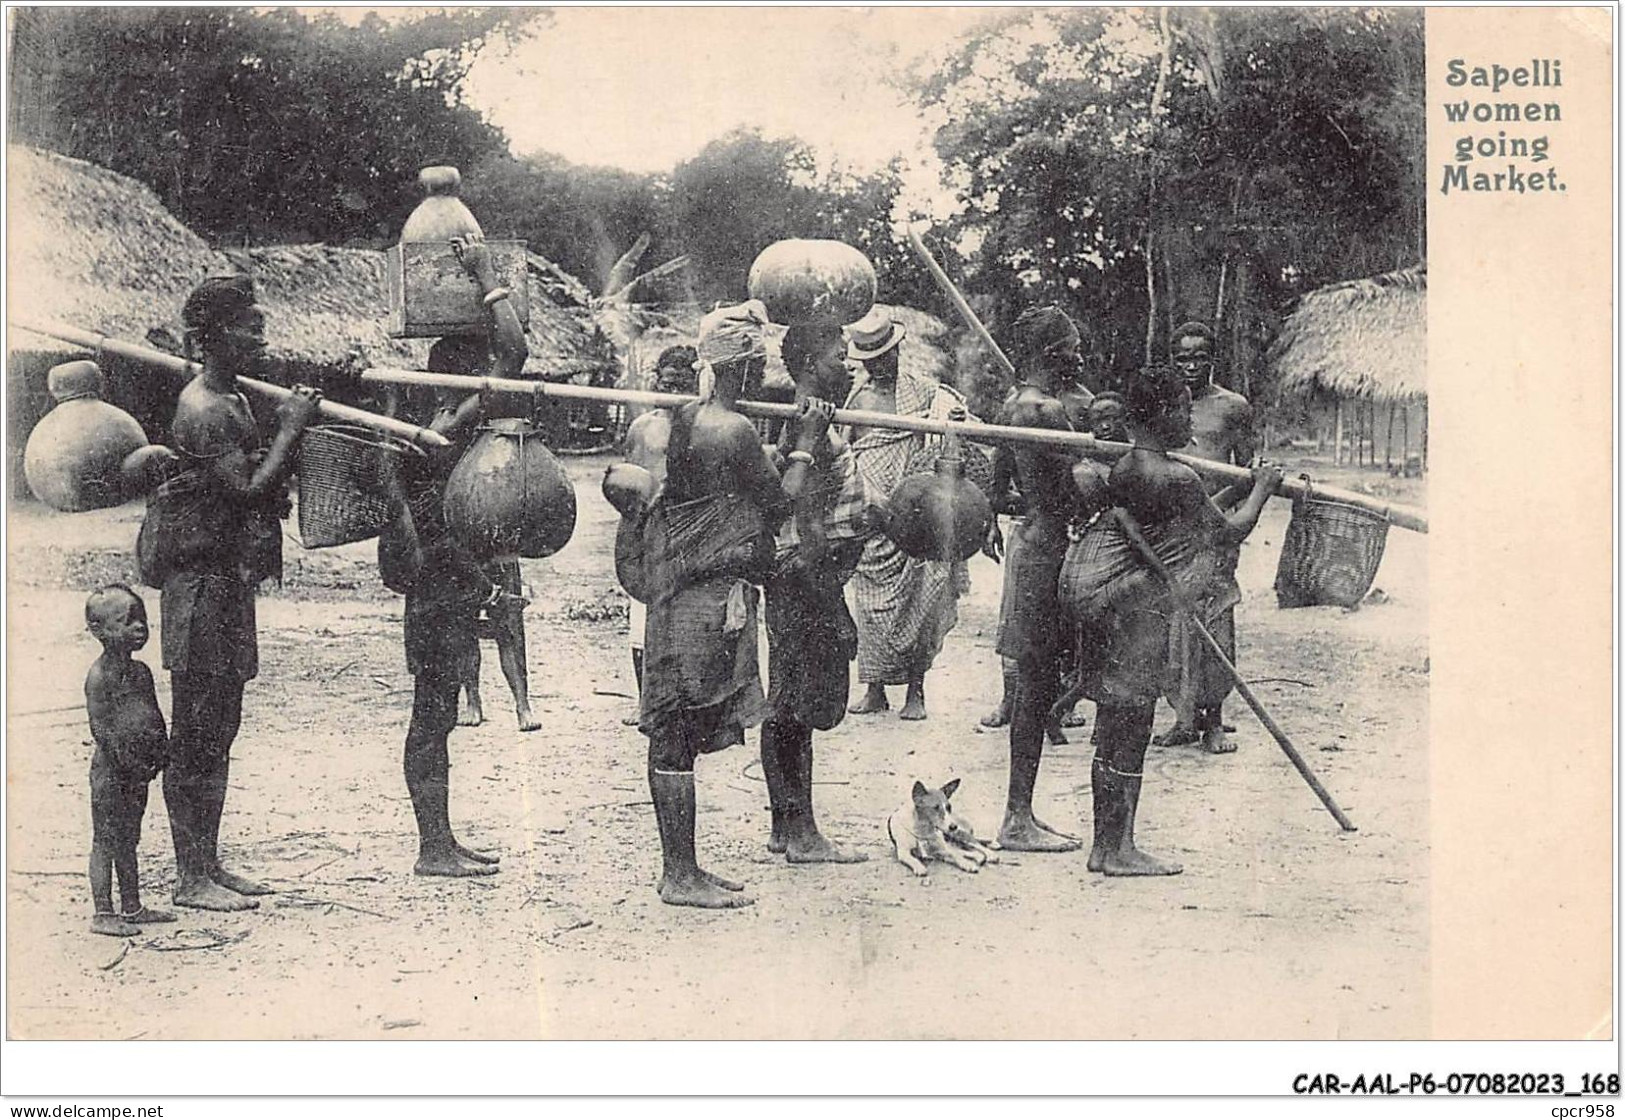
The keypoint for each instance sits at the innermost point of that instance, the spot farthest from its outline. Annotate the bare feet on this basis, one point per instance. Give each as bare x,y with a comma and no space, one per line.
238,883
1214,741
632,720
474,856
1053,732
206,894
527,720
914,704
1179,735
814,848
698,890
1130,861
1025,834
998,717
719,881
1074,718
113,926
777,844
472,713
449,864
147,916
874,700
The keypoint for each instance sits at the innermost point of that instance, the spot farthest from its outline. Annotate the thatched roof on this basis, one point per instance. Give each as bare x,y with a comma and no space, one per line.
642,331
1363,338
95,249
322,302
98,250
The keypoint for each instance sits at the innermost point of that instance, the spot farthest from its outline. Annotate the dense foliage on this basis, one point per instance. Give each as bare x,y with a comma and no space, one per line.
1140,166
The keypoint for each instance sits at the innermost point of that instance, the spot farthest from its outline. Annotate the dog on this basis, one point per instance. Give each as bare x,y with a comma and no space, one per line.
927,829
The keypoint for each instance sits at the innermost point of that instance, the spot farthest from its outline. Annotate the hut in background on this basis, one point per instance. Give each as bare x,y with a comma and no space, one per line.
327,310
97,250
1358,351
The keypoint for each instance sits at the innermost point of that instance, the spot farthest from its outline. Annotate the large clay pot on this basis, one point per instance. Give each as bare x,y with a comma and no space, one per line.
813,283
74,457
942,515
508,496
441,215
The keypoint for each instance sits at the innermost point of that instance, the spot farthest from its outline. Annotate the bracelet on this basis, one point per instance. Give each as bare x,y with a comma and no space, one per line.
800,457
496,294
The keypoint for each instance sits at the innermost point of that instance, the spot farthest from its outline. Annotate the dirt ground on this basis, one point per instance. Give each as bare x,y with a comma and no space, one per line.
1281,927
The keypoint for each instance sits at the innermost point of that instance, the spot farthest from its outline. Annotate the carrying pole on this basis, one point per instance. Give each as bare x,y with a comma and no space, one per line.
1403,516
328,410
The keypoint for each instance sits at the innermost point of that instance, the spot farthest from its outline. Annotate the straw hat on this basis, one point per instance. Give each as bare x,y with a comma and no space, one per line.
873,335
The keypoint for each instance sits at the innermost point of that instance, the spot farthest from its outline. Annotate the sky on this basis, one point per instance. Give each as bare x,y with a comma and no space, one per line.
645,88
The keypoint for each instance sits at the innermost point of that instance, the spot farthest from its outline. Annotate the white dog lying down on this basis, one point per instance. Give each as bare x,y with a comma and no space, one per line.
926,829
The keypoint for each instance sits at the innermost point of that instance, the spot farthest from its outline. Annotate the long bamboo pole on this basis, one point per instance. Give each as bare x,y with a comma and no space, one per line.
951,290
1403,516
328,410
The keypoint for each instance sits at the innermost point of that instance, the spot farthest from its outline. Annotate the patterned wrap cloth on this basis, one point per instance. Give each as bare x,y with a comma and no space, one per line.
700,667
811,638
905,607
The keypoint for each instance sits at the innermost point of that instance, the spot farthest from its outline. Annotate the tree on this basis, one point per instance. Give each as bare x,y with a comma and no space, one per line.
1289,145
258,125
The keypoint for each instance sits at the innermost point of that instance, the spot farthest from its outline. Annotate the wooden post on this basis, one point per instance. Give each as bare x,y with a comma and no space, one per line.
1337,436
1405,432
1388,443
1424,436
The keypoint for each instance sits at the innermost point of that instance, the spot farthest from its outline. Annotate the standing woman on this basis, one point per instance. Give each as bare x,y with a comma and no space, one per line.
446,588
1125,607
211,535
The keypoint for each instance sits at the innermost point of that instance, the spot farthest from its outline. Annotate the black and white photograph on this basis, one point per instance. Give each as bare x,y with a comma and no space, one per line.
734,523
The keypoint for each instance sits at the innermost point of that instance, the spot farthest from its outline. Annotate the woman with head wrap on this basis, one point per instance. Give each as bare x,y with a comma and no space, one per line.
215,534
706,543
1125,609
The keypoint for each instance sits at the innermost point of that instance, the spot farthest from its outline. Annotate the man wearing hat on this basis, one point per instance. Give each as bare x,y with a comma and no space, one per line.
215,527
905,607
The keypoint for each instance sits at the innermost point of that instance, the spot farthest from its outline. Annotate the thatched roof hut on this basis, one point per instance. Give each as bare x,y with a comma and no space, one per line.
94,248
1363,339
321,303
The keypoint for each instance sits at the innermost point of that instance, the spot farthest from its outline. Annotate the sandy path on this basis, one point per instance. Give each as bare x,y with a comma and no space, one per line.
1281,927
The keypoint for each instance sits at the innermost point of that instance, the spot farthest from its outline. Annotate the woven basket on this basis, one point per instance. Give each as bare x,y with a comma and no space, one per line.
342,495
1331,553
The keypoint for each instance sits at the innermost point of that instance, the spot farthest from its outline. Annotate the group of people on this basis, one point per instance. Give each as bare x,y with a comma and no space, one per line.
716,527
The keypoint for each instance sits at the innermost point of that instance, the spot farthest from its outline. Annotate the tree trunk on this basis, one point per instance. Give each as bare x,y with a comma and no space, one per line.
1388,443
1157,96
1337,436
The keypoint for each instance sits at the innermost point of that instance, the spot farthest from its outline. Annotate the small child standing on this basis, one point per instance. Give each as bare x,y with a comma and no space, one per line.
131,743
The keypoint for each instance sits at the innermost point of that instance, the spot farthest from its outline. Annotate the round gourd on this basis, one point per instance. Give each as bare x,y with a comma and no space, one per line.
939,516
809,283
508,496
74,457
